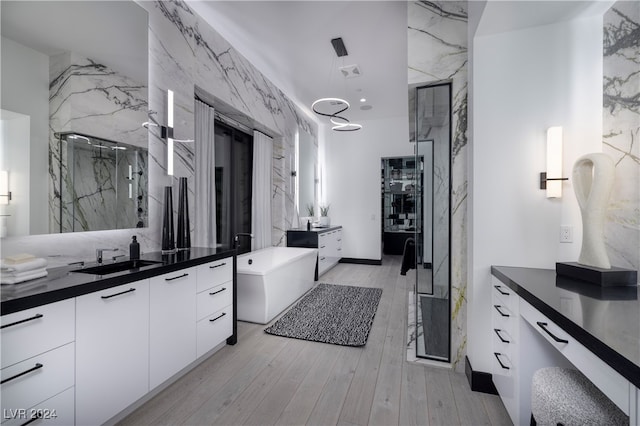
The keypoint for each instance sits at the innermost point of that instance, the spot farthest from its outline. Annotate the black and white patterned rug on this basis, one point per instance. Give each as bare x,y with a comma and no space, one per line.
336,314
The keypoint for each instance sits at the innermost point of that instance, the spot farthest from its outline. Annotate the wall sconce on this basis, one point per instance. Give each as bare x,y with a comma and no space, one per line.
553,184
166,132
5,194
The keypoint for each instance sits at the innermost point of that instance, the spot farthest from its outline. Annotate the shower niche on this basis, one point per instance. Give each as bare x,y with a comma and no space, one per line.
103,184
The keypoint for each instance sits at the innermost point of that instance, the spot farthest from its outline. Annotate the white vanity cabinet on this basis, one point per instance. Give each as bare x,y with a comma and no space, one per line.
214,304
37,364
329,249
504,337
112,351
172,313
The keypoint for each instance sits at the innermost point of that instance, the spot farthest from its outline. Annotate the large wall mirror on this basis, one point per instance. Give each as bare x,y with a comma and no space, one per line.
306,174
74,96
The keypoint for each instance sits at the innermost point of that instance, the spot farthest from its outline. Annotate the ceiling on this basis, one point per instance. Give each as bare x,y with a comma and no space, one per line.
290,43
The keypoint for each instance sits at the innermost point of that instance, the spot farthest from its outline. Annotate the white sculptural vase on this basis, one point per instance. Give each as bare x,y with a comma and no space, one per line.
593,176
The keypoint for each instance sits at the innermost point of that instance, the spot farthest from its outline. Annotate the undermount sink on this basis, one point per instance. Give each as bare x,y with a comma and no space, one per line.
112,268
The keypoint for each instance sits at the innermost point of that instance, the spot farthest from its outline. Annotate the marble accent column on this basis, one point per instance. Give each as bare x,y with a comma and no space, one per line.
437,37
621,131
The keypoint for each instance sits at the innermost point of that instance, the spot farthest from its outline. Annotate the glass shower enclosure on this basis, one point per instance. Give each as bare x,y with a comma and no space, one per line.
432,136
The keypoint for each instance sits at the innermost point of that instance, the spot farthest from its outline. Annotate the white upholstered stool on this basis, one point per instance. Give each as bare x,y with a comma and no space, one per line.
565,396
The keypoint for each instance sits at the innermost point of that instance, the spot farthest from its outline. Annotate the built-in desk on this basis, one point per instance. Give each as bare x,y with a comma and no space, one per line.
564,322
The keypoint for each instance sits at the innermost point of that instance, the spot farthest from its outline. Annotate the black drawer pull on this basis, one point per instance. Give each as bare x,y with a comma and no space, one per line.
37,416
175,278
34,368
219,291
131,290
502,339
218,317
36,316
322,258
500,362
322,246
543,326
218,265
504,293
500,311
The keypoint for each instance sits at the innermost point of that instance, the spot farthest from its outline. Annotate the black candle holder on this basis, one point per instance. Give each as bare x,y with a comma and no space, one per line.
184,235
168,239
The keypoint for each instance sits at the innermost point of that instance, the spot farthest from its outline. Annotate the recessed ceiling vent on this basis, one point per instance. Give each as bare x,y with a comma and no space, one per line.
351,71
339,47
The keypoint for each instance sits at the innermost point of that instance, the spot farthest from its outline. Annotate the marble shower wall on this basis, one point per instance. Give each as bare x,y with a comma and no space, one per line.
437,37
184,52
621,128
88,97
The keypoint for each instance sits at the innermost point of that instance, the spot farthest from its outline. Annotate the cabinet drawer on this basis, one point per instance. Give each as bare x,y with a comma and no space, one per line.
33,331
214,273
604,377
38,379
55,411
175,279
214,329
214,299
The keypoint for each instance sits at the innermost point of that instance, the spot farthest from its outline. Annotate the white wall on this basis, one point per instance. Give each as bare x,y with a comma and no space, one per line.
352,180
524,82
25,90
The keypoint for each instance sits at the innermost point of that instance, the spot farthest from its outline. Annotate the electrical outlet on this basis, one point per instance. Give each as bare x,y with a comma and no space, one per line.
566,234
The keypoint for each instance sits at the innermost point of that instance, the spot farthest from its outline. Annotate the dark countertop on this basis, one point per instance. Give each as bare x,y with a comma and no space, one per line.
62,283
316,229
606,320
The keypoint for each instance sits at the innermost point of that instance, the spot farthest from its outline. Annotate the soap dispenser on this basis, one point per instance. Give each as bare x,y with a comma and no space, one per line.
134,249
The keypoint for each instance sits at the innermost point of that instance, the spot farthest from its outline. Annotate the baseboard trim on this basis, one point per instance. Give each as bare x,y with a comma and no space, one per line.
360,261
478,380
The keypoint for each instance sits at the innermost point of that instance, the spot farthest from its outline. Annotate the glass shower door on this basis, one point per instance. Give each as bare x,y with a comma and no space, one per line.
432,287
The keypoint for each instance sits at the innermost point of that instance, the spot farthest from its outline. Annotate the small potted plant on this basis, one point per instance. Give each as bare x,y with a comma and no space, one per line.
324,220
310,216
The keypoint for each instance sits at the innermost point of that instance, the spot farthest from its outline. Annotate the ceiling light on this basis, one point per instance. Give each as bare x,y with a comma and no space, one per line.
363,99
331,106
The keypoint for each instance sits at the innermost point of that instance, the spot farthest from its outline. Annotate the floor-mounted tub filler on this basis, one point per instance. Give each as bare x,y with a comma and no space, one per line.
271,279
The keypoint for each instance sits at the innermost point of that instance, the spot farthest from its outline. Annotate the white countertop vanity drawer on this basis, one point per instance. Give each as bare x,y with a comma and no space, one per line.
55,411
39,378
214,329
30,332
615,386
175,278
214,273
214,299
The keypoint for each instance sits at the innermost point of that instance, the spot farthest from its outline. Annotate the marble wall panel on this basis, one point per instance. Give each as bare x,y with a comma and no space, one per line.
621,128
437,38
88,97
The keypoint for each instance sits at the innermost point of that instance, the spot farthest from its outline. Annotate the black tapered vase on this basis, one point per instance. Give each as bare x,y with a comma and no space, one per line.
168,239
184,235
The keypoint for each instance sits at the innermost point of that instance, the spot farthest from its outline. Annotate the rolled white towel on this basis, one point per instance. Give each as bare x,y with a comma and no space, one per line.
32,265
18,277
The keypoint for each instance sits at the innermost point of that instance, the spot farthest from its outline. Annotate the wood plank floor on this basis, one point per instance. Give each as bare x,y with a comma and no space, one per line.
269,380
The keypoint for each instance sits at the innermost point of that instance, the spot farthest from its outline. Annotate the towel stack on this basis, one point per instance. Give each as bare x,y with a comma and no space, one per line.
22,267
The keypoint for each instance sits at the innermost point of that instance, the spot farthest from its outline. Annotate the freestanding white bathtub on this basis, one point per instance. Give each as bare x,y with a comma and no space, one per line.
271,279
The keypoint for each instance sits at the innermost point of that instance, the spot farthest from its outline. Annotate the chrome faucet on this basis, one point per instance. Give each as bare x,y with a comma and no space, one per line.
99,253
236,242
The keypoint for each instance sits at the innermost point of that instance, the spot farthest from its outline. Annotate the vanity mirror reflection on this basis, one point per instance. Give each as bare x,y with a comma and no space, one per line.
74,68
